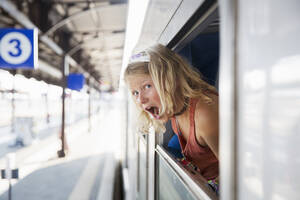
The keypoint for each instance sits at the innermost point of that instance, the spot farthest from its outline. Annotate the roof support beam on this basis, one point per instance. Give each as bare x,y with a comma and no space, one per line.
15,13
72,17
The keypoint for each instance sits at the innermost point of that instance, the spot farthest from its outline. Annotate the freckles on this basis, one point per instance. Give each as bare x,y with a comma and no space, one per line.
156,96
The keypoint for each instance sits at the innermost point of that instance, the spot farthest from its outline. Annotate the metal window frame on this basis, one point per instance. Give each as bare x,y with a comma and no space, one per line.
200,25
228,102
198,189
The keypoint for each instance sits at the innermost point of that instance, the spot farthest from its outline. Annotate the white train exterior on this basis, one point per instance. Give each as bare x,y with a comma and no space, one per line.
259,87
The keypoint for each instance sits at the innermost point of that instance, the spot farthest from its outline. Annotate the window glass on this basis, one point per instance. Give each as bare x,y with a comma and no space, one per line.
169,184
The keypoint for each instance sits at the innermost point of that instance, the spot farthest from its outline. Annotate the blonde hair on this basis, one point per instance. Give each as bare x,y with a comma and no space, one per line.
175,80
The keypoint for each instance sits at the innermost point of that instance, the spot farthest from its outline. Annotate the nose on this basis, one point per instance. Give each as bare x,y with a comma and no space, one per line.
142,99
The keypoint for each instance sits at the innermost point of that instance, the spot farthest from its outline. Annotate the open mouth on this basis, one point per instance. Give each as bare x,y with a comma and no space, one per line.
153,111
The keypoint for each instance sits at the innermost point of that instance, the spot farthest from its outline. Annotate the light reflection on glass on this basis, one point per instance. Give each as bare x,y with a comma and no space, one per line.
286,70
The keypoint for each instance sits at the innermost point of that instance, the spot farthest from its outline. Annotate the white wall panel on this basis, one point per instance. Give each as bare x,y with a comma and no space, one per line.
268,63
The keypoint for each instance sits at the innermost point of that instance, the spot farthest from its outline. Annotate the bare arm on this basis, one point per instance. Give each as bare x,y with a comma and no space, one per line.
207,125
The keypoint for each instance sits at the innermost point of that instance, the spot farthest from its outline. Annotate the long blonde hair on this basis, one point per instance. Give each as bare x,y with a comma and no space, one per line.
174,79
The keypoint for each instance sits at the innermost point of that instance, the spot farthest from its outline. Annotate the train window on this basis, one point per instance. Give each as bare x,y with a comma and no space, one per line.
169,185
203,54
180,183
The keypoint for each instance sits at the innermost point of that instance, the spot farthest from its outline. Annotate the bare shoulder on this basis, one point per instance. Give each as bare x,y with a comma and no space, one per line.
207,114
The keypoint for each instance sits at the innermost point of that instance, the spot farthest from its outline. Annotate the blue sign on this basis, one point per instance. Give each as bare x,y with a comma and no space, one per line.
18,48
75,81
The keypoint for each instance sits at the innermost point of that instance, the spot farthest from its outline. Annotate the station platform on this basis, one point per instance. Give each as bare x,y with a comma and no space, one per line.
90,170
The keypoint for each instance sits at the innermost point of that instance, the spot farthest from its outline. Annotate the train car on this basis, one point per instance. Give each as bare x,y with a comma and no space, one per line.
249,50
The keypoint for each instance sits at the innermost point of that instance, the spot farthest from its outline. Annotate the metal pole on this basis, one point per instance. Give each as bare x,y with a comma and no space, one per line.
47,106
65,70
13,106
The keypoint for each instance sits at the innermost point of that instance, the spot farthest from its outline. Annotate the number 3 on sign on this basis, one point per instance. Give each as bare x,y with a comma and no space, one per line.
15,48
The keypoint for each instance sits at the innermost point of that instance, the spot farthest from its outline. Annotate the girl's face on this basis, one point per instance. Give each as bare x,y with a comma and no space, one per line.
145,94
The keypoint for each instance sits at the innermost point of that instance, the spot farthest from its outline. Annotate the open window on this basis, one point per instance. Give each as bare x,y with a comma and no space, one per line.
200,47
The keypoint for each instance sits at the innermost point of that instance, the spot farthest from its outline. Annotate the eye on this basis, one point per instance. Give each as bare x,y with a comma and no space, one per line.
147,86
135,93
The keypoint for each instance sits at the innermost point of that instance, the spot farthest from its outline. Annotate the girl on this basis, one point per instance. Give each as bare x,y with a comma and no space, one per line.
165,87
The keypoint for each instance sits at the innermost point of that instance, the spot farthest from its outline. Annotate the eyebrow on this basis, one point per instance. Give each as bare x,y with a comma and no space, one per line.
147,81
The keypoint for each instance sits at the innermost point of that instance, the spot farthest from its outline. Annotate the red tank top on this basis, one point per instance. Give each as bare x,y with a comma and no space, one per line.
200,156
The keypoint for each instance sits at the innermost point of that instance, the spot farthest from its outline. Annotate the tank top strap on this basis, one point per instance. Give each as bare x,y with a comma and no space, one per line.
177,131
193,103
174,125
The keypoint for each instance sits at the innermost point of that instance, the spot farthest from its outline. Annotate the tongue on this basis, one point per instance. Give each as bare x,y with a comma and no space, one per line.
155,113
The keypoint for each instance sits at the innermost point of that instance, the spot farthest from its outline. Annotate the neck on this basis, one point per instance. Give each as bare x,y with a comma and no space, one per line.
185,105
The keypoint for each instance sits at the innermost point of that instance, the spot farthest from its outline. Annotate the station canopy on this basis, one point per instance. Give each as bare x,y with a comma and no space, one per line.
90,32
